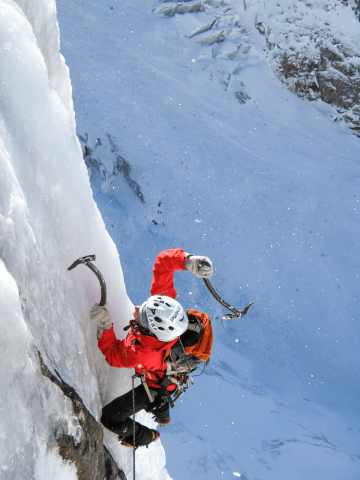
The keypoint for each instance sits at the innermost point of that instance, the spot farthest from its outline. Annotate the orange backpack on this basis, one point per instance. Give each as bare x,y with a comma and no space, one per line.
202,349
180,357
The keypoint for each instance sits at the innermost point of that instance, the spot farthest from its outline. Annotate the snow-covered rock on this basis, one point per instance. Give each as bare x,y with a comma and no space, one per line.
313,48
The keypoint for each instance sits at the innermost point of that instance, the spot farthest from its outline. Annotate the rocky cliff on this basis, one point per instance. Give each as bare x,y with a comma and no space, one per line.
313,49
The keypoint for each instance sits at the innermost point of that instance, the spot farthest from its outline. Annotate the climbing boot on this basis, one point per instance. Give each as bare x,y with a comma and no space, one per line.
151,436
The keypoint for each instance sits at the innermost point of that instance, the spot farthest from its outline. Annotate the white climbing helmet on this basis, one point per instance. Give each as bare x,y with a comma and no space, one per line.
164,317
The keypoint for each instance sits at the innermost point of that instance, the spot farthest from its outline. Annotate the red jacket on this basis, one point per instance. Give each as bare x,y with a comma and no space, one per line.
165,265
143,351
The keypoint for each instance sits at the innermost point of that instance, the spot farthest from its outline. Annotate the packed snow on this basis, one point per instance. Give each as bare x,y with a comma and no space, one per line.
190,141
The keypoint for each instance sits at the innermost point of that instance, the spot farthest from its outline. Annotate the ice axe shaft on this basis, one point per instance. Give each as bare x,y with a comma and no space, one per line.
229,316
87,261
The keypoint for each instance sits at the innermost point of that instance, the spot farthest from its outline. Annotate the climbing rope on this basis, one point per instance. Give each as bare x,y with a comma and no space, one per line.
134,448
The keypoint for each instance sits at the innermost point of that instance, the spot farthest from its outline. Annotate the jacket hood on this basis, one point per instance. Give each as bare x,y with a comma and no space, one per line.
152,343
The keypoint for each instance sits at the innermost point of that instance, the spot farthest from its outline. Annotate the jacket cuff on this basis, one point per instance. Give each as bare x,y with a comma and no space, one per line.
187,255
104,334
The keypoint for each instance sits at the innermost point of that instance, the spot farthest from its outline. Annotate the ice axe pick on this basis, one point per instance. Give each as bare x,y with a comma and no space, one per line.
87,261
228,316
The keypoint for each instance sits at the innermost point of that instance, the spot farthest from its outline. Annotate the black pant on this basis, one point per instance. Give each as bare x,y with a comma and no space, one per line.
116,415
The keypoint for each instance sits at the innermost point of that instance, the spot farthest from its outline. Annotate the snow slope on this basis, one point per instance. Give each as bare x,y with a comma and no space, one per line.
187,144
199,146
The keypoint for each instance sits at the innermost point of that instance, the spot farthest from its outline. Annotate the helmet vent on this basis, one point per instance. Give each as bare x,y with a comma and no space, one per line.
164,316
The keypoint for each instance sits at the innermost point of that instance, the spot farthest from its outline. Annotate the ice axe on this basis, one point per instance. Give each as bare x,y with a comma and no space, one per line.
228,316
87,261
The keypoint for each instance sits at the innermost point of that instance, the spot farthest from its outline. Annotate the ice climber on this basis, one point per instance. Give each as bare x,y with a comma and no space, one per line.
164,344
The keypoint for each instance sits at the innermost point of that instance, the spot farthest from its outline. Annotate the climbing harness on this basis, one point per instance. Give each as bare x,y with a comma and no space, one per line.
145,385
178,376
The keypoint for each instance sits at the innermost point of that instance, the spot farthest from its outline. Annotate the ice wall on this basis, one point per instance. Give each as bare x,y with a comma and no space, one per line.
47,220
41,14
